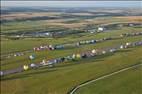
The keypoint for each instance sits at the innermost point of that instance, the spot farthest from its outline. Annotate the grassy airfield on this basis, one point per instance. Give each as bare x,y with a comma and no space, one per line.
128,82
65,76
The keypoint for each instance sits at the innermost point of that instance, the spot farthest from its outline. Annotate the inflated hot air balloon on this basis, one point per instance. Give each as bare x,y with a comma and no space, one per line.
25,67
121,47
94,51
127,44
1,73
32,65
73,56
78,56
32,57
103,52
112,50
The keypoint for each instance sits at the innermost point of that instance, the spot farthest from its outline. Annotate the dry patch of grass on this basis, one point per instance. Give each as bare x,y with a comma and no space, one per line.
28,15
131,18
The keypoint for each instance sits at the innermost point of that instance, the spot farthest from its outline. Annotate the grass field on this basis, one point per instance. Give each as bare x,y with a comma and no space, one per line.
61,79
42,25
128,82
18,61
65,76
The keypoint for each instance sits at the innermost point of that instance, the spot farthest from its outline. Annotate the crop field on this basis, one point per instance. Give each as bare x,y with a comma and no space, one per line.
63,77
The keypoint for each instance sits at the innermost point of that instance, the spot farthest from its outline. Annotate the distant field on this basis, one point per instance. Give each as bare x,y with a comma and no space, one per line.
14,16
47,25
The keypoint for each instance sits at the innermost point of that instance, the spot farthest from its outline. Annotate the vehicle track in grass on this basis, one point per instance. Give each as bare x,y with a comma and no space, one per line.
102,77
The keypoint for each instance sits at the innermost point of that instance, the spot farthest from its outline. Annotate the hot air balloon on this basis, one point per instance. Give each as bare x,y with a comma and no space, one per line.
25,67
32,57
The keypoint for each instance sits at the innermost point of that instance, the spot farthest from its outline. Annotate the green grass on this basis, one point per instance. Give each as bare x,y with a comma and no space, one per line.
127,82
62,78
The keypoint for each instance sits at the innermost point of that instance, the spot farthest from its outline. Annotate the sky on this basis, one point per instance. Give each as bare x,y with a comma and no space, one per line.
73,3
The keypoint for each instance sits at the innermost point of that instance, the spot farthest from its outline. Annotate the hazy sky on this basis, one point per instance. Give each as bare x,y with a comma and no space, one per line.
73,3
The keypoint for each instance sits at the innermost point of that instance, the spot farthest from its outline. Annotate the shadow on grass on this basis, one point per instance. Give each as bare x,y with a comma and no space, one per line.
126,50
25,75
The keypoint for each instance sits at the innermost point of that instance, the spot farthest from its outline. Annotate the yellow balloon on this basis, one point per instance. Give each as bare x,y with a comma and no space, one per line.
26,67
78,55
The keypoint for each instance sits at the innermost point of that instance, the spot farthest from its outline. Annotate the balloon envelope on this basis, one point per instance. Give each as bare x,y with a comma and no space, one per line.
32,57
25,67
